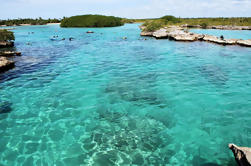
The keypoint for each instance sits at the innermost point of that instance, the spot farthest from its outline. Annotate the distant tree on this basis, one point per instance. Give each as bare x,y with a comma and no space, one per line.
91,21
171,19
38,21
204,25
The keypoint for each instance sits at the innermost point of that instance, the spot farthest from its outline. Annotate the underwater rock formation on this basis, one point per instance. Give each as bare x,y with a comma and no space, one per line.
129,91
242,154
5,107
214,74
134,139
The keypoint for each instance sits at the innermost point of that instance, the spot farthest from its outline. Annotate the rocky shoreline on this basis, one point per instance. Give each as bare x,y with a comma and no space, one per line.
182,34
6,44
5,63
242,154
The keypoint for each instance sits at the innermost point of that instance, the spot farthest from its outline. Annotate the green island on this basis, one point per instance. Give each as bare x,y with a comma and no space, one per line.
91,21
37,21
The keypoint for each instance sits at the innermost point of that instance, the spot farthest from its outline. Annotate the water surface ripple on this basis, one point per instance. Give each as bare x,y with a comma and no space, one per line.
102,100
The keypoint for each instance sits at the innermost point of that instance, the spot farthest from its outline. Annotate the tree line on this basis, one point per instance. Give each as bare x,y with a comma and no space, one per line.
91,21
37,21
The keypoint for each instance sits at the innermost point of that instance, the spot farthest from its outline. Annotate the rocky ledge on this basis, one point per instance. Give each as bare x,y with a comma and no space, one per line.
6,44
181,34
6,64
242,154
10,53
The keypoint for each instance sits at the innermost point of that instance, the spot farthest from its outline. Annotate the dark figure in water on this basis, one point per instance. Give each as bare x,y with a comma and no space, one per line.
5,107
222,37
71,38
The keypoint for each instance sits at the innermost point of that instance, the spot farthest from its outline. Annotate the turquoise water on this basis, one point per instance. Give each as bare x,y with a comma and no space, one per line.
228,34
102,100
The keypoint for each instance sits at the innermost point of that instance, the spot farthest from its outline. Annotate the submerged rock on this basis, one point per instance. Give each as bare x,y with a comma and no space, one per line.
242,154
5,107
6,64
134,136
214,74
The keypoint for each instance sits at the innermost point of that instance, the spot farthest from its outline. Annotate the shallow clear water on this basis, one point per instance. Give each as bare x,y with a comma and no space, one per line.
102,100
228,34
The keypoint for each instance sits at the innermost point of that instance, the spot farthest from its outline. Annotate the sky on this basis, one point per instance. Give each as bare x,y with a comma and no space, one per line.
10,9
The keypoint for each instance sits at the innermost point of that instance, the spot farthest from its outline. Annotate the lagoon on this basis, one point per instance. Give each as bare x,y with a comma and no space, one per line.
103,100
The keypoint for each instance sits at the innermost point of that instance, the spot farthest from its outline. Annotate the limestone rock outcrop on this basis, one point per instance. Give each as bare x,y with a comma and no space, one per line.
10,53
6,44
244,42
242,154
6,64
181,34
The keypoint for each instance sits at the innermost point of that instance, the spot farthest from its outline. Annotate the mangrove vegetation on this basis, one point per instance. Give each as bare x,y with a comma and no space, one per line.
91,21
6,36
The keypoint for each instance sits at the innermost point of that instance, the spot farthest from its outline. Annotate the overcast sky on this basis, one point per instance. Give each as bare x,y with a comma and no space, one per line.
124,8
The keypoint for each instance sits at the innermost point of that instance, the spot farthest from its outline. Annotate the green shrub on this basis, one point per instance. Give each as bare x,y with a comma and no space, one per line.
204,25
171,19
151,26
6,35
91,21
